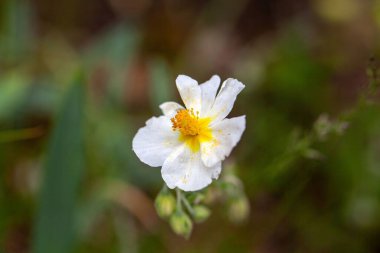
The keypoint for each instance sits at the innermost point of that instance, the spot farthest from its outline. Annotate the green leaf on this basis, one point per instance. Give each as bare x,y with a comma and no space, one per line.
16,26
161,84
112,53
54,224
13,89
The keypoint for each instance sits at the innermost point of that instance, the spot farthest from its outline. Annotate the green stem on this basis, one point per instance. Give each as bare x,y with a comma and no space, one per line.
164,188
179,206
187,205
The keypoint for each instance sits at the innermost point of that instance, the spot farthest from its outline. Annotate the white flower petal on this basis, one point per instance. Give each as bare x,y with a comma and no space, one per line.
208,90
190,92
156,141
225,99
170,109
226,134
216,169
184,169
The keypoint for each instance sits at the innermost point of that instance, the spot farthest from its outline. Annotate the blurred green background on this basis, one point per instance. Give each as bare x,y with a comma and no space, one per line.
78,78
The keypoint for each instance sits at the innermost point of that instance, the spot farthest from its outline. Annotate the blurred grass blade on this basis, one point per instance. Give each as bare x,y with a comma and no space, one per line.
112,53
161,84
16,22
13,90
54,227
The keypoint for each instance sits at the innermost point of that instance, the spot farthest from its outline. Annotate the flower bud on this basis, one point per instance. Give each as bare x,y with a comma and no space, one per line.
238,210
165,204
181,224
201,213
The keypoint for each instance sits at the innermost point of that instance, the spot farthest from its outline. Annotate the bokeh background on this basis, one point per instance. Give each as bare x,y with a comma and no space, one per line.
78,78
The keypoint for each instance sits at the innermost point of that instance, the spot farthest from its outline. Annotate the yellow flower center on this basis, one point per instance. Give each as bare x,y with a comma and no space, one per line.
193,129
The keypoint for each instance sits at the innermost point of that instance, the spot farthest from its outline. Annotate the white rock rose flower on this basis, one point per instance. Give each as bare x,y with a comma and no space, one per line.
191,142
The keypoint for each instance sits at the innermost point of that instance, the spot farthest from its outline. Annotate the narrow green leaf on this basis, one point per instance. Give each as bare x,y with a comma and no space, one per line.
13,87
161,84
54,224
16,36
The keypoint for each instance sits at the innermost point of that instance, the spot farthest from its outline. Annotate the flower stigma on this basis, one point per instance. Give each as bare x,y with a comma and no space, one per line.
193,129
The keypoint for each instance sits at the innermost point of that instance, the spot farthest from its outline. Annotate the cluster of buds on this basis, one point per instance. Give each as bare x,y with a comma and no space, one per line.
165,203
183,209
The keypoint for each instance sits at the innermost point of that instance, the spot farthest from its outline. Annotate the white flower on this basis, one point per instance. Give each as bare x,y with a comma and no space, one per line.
190,143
